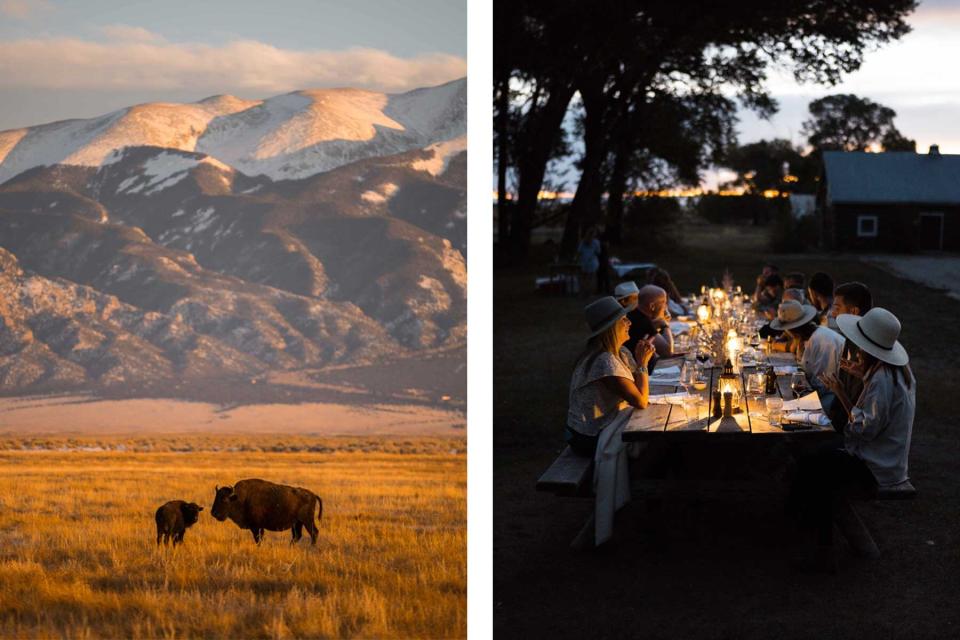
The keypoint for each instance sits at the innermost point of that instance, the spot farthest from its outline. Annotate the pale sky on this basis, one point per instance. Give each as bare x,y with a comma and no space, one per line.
916,76
64,59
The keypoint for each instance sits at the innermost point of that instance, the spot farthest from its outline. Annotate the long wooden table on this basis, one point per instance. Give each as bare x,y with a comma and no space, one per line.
667,421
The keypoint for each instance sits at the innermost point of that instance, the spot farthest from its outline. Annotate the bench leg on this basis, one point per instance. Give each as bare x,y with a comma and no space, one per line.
854,530
585,539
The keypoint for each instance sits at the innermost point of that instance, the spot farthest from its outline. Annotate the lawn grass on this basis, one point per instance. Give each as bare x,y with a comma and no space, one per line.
78,556
713,568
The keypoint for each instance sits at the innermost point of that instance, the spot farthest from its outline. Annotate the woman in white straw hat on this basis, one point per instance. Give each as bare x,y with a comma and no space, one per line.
881,421
879,427
819,348
606,377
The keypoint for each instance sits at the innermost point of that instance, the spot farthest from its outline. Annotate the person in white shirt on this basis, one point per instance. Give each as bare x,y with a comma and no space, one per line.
819,348
877,435
881,420
607,377
820,293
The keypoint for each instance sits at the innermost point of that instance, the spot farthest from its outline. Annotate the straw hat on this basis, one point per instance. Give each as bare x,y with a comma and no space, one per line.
876,333
625,290
791,314
602,314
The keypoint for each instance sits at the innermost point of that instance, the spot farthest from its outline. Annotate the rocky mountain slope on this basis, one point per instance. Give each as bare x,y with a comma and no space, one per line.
233,238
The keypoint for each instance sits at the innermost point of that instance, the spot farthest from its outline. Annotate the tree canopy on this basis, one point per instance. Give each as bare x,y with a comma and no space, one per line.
845,122
659,83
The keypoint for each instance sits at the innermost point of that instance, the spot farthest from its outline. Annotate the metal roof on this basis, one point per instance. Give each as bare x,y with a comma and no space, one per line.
895,177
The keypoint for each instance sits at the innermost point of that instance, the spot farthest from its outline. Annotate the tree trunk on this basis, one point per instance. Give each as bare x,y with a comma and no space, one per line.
503,116
538,139
585,209
615,189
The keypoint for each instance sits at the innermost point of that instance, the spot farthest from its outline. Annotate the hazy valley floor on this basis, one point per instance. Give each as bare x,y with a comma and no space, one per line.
78,556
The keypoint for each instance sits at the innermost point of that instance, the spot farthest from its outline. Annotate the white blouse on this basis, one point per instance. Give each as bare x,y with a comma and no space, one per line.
822,353
882,425
592,405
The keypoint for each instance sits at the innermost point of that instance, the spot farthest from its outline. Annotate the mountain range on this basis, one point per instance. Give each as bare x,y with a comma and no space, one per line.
229,239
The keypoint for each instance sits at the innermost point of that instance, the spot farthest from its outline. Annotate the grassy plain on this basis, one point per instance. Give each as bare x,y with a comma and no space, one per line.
78,556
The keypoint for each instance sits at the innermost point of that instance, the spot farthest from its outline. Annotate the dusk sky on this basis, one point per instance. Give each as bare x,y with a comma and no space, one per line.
62,59
915,76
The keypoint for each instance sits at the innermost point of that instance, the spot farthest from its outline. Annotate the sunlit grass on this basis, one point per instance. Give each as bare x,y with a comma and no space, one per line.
78,555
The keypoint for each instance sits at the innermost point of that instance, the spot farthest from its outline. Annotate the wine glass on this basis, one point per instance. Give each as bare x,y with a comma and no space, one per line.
798,383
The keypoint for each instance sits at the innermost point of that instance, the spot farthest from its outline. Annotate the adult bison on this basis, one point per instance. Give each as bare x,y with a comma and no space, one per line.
174,517
259,505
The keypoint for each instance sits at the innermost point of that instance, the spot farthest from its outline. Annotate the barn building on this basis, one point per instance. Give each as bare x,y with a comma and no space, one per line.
893,201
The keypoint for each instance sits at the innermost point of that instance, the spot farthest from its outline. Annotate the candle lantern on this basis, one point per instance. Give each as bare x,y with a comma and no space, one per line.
730,383
728,389
703,313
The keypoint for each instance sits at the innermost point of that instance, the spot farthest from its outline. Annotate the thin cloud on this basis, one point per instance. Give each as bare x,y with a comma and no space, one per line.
127,33
135,58
23,9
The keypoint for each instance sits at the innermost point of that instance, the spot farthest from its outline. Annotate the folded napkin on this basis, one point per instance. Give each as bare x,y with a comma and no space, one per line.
679,327
666,375
668,398
807,417
809,402
786,369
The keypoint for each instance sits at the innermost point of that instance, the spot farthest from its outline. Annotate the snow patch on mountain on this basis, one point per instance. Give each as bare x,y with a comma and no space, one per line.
202,220
165,170
443,153
381,194
372,197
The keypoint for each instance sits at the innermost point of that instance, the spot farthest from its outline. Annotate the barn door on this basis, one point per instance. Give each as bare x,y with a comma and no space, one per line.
931,231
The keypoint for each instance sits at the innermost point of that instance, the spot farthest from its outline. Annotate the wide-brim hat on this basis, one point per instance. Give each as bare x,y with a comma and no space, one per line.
625,290
602,314
791,314
876,332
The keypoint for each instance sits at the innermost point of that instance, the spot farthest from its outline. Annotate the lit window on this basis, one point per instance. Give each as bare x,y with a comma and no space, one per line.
866,226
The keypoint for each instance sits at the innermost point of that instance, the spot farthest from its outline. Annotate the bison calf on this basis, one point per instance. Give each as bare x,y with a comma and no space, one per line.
173,519
259,505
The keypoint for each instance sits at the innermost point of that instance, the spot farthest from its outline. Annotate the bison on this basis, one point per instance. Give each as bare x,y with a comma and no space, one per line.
259,505
174,517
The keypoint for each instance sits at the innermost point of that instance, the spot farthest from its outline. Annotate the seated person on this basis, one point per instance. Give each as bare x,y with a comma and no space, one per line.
651,318
771,298
626,294
759,295
820,291
852,298
819,348
766,331
607,377
662,279
795,280
879,423
797,295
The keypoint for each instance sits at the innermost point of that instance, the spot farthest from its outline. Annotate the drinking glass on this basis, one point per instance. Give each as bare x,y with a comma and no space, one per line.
775,410
691,407
798,383
756,383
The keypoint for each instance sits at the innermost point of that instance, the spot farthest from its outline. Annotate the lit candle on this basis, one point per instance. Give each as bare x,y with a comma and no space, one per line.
703,313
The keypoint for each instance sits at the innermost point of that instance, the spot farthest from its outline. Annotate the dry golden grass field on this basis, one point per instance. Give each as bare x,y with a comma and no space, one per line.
78,556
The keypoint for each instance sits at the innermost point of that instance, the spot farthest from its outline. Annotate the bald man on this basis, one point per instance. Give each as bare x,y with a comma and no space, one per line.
651,318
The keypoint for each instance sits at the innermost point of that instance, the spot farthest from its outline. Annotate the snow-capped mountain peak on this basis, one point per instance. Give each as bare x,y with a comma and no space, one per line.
288,136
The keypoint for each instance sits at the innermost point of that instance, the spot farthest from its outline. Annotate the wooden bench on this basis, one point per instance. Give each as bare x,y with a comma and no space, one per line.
571,474
852,526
